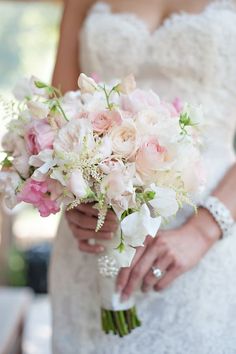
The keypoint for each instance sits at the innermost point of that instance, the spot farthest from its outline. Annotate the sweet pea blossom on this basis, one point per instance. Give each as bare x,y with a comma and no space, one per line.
78,186
165,201
38,110
138,225
43,162
39,195
139,100
39,136
86,84
127,85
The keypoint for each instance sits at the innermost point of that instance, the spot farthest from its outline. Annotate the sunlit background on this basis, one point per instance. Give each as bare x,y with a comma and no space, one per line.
28,41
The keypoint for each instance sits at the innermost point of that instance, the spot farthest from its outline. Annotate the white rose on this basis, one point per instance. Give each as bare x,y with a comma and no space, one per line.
195,112
38,110
124,139
86,84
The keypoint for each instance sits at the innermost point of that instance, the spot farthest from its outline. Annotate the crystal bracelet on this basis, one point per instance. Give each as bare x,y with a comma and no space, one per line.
220,213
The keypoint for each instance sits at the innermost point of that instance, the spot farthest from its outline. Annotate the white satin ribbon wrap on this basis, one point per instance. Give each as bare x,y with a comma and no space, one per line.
110,299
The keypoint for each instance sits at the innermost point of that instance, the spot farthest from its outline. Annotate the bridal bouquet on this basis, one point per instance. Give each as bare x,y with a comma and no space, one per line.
117,146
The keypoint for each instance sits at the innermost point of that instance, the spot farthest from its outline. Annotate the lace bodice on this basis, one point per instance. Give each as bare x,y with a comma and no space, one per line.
189,56
188,51
193,57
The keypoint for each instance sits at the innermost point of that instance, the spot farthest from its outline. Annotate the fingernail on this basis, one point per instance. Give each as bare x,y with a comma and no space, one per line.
124,297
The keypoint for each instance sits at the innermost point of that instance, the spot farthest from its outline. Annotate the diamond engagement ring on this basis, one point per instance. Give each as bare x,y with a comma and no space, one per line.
157,272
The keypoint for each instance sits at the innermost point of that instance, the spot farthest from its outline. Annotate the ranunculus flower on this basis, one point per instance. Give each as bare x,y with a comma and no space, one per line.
150,157
103,121
40,195
139,100
124,139
86,84
38,110
39,136
127,85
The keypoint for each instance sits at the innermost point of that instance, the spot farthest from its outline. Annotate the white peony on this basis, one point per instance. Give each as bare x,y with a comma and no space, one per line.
74,136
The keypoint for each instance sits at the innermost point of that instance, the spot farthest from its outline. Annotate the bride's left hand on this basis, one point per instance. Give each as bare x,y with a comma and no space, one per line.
174,252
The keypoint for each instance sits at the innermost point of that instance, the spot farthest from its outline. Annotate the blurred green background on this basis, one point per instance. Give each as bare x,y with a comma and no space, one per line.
28,41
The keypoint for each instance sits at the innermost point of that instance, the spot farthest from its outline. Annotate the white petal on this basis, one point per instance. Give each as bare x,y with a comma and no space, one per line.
165,202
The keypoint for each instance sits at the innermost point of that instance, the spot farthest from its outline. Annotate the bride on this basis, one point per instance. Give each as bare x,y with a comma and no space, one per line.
185,48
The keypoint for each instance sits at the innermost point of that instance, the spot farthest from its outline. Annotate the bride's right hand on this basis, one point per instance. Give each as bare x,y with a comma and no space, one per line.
82,221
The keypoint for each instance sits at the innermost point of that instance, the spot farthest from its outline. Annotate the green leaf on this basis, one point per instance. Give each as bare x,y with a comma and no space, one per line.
40,84
121,247
6,163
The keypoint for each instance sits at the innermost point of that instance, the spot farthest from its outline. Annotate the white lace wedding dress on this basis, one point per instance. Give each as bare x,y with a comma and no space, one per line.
193,57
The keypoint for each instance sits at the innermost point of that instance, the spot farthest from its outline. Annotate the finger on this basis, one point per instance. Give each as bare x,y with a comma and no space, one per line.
124,273
168,278
84,246
89,209
163,263
82,234
141,268
89,222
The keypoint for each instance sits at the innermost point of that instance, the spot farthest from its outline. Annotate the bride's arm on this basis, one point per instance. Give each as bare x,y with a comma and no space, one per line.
67,68
177,251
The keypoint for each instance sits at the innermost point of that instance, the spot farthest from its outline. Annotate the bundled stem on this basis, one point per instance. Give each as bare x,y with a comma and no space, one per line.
119,322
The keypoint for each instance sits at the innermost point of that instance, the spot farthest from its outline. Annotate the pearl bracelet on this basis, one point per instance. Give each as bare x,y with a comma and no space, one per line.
220,213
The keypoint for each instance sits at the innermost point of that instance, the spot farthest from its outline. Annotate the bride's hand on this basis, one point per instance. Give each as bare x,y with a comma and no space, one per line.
174,252
82,221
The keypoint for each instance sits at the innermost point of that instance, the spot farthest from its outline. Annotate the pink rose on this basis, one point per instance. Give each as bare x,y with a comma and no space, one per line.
139,100
103,121
40,194
39,136
150,157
